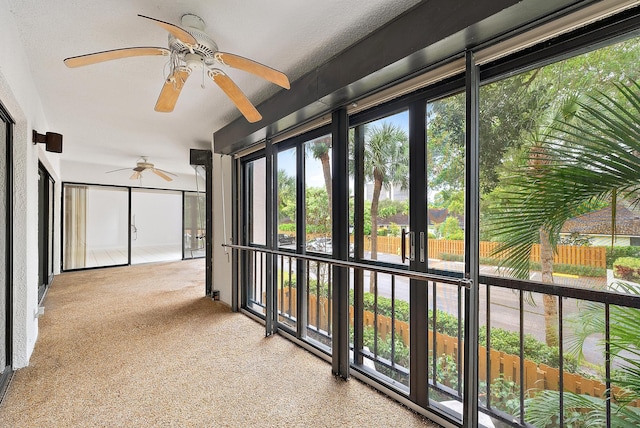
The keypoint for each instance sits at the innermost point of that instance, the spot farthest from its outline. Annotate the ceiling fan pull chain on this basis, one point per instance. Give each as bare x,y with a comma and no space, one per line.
202,84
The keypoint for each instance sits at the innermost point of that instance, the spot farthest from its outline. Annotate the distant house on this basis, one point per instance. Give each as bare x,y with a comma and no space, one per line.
435,216
596,226
394,193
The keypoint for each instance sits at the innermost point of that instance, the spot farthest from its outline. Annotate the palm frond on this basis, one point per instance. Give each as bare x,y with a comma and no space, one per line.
543,410
593,153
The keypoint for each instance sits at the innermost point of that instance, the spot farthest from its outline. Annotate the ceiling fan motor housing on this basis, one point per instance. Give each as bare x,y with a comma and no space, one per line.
205,48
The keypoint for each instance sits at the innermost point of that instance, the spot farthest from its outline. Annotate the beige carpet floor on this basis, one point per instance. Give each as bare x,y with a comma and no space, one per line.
140,346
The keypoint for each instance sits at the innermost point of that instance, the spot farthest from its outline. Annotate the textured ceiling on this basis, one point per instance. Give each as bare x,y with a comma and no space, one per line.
105,111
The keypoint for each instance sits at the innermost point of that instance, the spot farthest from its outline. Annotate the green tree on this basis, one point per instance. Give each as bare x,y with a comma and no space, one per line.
286,196
318,218
450,229
320,149
386,163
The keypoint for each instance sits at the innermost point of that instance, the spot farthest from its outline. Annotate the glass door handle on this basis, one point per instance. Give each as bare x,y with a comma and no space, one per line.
422,247
412,246
403,245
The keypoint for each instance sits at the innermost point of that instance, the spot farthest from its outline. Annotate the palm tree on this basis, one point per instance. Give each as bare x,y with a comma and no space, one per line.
592,154
386,163
320,149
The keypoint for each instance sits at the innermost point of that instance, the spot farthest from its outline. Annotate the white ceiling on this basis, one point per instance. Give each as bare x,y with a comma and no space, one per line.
105,111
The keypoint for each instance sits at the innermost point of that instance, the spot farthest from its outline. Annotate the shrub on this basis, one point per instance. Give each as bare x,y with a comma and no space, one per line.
614,253
287,227
534,350
627,268
580,270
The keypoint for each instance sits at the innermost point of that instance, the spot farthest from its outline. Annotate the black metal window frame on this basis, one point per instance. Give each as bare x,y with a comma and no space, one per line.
593,36
7,371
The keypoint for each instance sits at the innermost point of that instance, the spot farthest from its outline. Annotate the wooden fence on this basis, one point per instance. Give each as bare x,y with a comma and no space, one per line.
566,254
506,366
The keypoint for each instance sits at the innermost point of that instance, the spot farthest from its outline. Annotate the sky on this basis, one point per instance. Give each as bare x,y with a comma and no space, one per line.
314,176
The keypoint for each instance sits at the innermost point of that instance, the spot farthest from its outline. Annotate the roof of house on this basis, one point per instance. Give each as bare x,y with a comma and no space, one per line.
599,222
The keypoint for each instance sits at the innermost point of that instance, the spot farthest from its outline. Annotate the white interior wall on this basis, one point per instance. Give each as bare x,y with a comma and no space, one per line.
222,226
158,218
19,96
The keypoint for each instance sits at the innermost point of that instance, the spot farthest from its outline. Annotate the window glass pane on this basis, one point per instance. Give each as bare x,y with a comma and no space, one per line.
558,156
386,186
194,225
255,211
96,226
445,168
43,180
318,195
156,223
287,276
287,206
318,278
445,182
51,195
256,188
381,343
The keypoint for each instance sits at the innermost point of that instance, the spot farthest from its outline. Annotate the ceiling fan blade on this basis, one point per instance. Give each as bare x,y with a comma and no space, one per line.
171,90
178,32
135,175
161,174
166,172
253,67
116,170
235,94
93,58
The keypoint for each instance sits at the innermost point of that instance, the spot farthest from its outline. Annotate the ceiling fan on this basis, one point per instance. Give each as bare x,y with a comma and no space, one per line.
142,165
190,49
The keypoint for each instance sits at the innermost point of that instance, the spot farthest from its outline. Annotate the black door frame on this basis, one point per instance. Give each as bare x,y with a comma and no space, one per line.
44,216
7,371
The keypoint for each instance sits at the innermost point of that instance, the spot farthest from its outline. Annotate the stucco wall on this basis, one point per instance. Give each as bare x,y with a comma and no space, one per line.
19,96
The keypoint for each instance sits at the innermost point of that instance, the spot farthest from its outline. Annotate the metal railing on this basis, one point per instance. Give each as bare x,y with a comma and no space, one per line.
526,378
384,351
509,379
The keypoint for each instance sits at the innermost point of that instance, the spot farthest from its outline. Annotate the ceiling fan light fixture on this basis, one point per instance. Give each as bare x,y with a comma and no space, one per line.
193,21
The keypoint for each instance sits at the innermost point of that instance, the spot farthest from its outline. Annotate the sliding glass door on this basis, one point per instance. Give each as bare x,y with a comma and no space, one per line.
45,229
114,226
